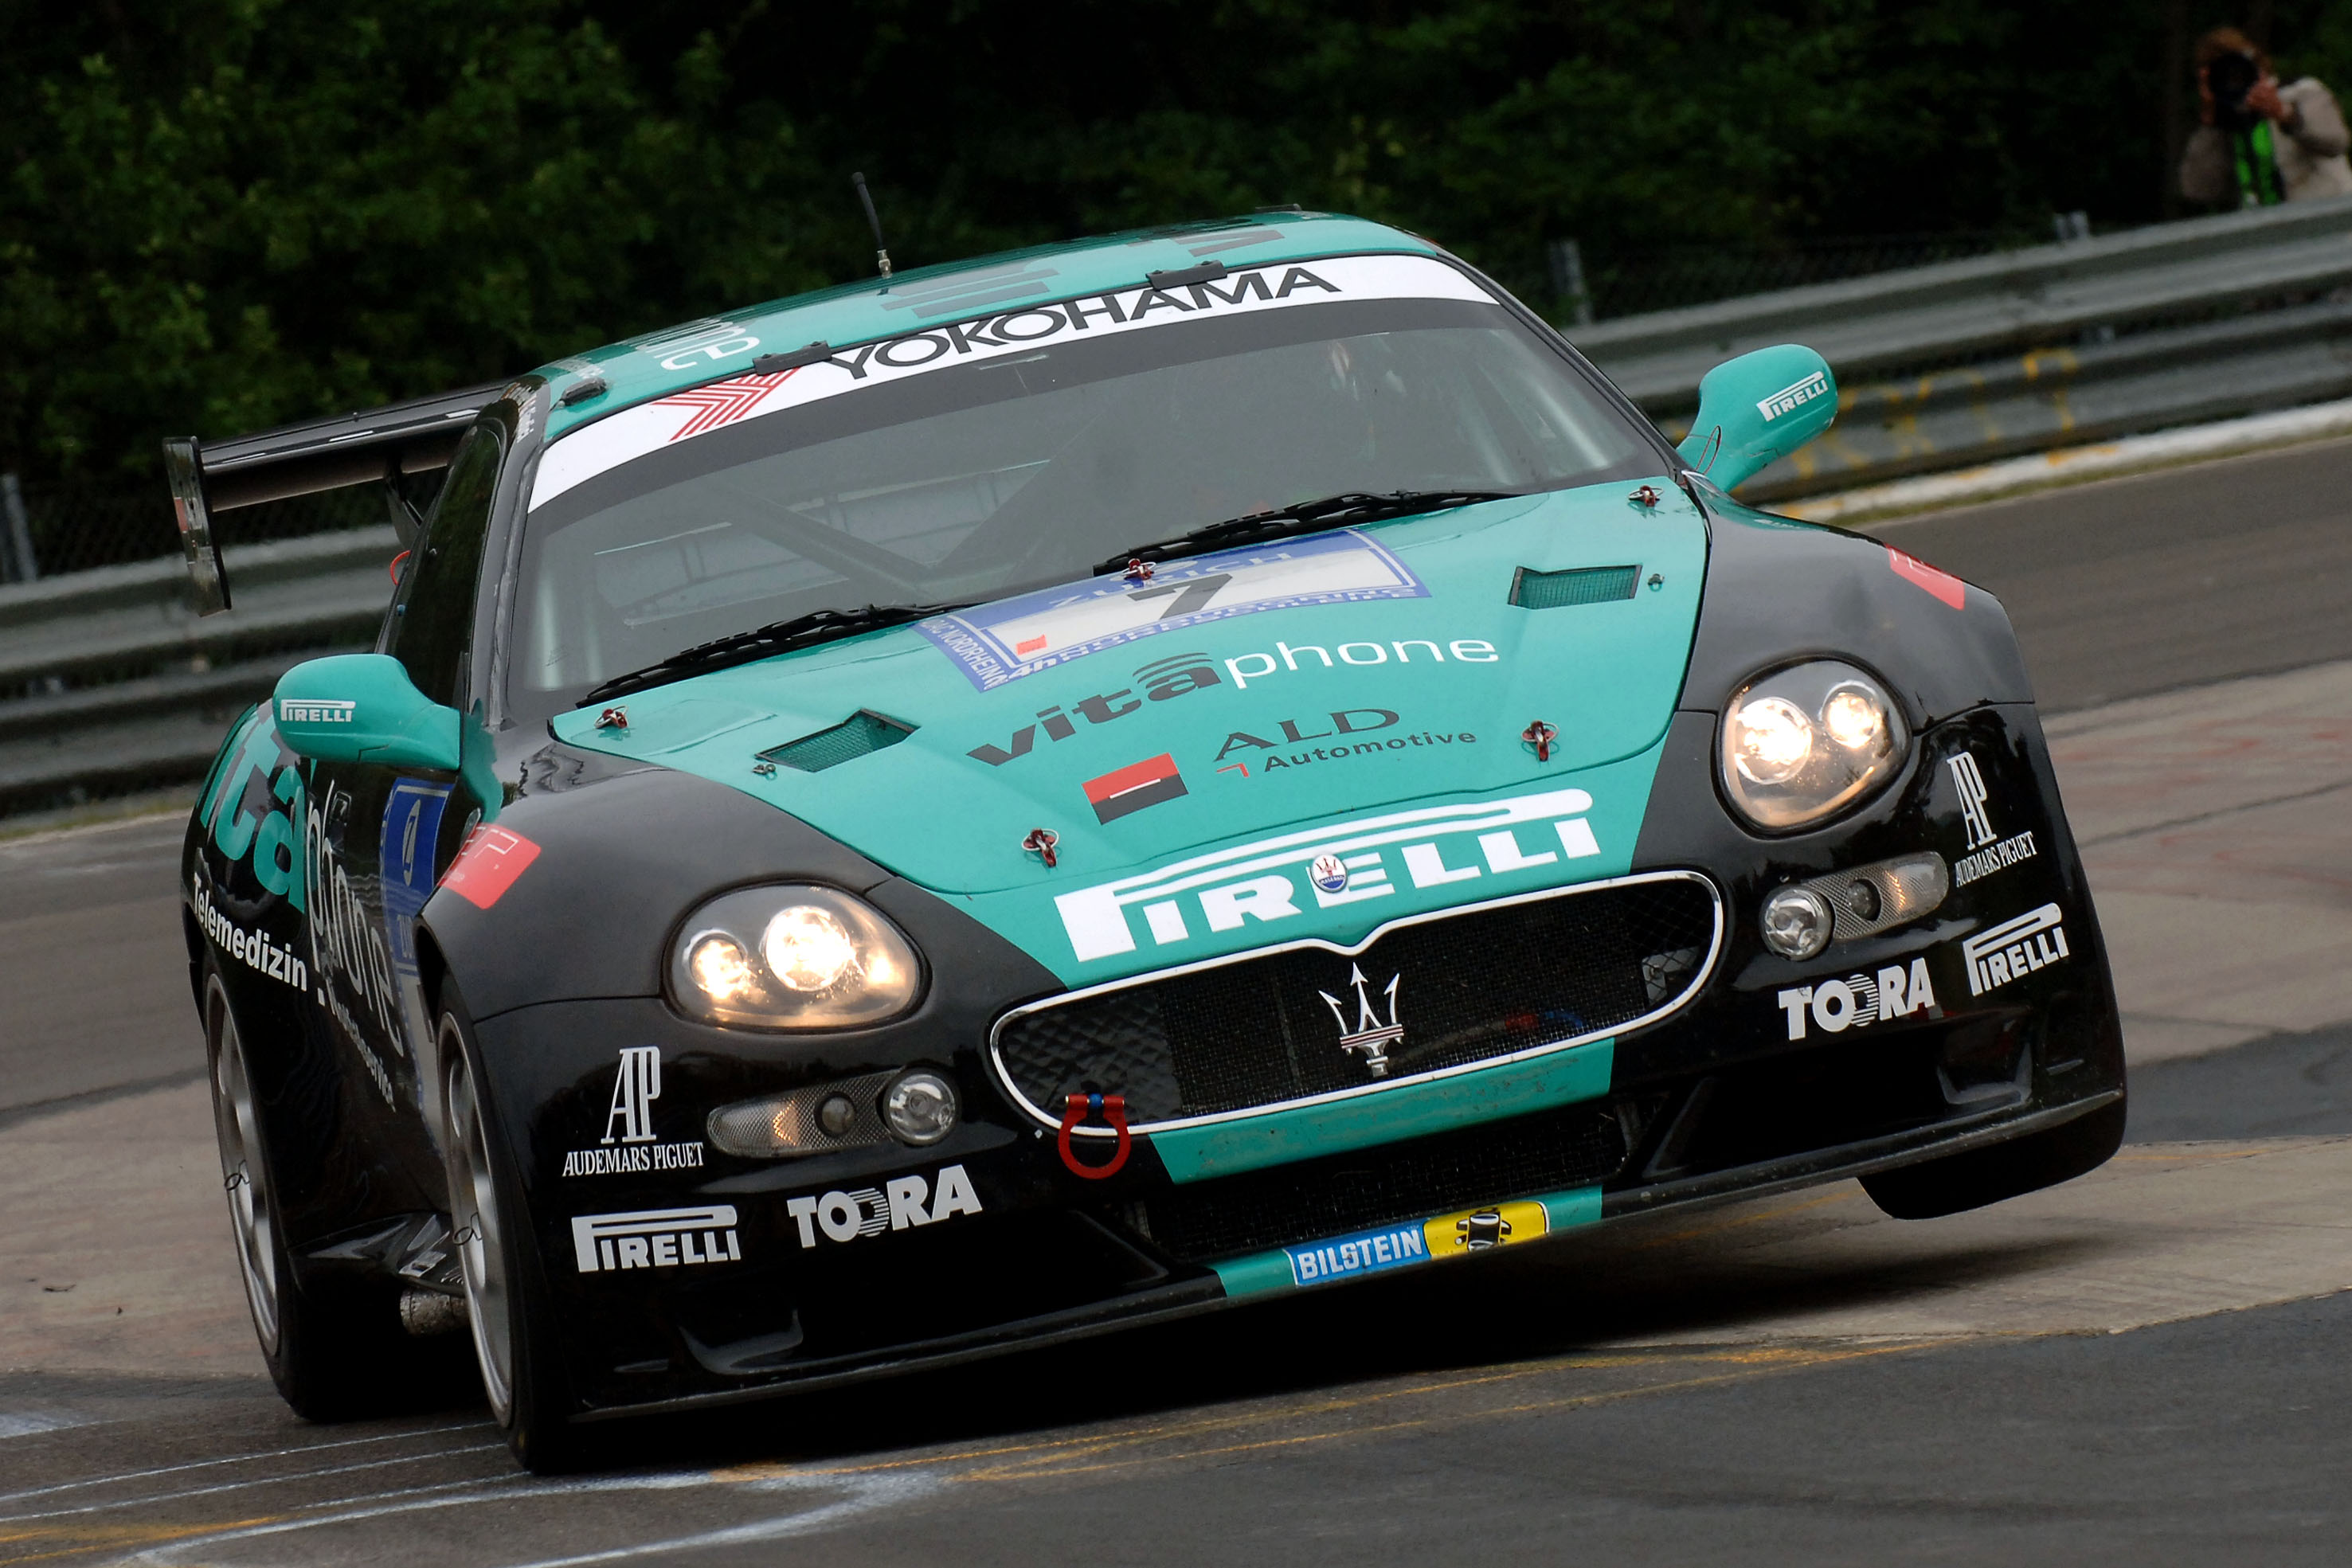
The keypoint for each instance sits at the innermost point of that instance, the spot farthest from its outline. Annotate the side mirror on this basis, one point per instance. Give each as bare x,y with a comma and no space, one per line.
363,707
1757,408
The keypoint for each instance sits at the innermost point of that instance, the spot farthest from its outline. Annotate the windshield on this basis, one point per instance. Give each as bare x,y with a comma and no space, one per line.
899,473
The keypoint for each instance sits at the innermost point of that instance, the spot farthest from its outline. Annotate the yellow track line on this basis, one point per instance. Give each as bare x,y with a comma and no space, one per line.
99,1537
1752,1360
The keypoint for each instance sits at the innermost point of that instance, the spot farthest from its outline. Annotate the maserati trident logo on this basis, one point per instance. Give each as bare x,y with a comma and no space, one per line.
1370,1036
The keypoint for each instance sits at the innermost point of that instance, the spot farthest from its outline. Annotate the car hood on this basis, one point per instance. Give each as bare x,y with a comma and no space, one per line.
1202,738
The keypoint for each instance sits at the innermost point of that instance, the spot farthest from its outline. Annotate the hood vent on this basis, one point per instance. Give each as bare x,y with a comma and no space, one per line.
1578,585
854,736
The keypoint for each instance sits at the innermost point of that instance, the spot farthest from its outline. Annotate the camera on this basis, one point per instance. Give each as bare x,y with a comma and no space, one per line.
2232,77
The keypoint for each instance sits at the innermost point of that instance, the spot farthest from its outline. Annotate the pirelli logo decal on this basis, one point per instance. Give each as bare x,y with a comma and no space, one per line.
1497,843
2014,949
1793,396
315,710
655,1238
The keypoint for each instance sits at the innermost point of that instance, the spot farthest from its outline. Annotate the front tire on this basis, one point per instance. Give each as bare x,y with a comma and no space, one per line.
1980,1177
334,1347
506,1298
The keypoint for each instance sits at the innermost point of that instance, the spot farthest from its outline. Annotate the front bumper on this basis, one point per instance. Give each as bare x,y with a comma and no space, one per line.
861,1262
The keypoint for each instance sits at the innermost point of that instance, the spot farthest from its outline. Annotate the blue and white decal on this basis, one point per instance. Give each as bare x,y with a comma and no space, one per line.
1365,1252
1010,638
412,823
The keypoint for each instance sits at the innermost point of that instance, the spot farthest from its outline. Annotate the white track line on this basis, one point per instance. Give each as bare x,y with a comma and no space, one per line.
155,1497
494,1488
868,1492
237,1460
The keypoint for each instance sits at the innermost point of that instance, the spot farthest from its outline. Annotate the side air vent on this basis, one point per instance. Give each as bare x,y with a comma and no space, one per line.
854,736
1578,585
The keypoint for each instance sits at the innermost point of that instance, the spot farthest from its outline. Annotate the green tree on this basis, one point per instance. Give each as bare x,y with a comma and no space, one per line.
262,211
220,215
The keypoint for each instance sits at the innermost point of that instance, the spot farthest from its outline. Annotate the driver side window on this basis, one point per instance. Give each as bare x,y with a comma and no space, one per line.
433,623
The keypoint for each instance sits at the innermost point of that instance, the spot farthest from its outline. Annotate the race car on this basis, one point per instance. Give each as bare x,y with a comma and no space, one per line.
996,804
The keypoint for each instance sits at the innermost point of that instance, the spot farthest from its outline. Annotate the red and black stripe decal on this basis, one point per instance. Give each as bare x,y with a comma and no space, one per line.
1134,786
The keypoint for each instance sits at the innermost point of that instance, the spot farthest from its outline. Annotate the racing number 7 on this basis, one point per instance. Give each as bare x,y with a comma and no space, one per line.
1189,596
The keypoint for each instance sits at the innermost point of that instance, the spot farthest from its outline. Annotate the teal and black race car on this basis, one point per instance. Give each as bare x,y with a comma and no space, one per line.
989,805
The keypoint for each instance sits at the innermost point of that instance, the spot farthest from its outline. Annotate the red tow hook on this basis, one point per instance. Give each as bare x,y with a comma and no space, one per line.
1112,1108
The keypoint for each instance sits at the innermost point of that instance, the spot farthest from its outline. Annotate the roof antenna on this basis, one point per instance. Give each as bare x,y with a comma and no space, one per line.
881,253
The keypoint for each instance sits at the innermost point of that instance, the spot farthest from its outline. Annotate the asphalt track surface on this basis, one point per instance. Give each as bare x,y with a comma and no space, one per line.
2143,1366
2173,579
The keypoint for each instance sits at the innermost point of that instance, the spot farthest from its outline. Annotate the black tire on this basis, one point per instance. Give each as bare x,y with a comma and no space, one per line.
334,1346
1972,1180
506,1293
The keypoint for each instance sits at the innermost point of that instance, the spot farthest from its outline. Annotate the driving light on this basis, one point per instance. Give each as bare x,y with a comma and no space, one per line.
1883,894
1803,743
920,1107
820,1119
835,1114
793,957
1796,922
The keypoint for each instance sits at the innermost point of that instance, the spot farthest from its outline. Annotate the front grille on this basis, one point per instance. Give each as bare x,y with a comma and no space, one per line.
1436,994
1551,1150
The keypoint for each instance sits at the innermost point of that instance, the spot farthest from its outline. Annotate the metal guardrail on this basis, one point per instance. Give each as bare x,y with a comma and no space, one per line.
109,681
1965,361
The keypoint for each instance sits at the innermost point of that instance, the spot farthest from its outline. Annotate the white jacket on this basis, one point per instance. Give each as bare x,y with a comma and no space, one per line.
2308,148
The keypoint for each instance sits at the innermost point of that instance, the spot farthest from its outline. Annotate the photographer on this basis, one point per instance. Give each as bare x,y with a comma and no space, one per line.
2261,143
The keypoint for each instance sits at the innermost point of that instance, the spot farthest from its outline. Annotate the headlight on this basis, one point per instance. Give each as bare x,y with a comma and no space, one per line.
1802,743
793,957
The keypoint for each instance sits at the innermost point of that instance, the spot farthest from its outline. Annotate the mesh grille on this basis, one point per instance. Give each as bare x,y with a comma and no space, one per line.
1582,585
1468,989
1551,1152
854,736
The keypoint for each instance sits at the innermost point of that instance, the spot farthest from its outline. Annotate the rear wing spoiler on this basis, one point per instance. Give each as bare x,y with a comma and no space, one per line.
371,447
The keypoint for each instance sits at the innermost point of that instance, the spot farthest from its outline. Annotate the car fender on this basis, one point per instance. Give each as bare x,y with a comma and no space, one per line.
1942,647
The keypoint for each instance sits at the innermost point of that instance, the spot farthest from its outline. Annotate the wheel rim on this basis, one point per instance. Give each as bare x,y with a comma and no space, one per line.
244,1173
481,1236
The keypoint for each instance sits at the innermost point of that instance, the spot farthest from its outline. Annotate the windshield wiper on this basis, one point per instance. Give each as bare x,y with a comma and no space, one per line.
1306,517
762,642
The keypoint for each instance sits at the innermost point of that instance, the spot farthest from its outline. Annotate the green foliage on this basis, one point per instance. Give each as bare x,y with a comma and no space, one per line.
253,212
220,215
